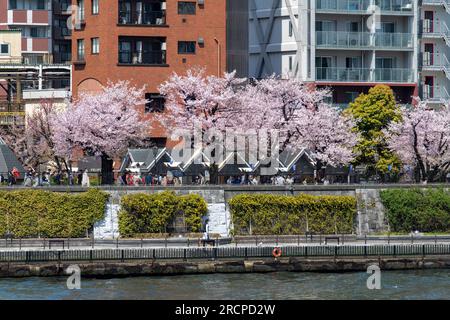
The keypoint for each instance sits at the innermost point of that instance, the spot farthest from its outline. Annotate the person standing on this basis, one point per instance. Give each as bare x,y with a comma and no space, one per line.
85,183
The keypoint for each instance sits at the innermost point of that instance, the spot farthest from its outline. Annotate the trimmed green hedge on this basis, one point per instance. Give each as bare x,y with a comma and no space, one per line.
151,213
425,210
275,214
33,213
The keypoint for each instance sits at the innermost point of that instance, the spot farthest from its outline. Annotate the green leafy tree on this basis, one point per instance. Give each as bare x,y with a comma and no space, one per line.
372,113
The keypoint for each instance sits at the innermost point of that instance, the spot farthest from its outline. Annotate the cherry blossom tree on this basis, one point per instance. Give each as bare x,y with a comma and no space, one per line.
33,142
327,135
422,140
278,104
103,124
196,101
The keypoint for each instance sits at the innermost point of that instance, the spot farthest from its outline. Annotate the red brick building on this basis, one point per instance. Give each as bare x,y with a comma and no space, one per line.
145,42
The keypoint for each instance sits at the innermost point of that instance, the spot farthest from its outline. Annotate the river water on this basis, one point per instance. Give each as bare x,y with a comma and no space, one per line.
424,284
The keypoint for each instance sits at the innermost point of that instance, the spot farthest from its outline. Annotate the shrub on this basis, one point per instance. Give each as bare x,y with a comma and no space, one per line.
50,214
276,214
151,213
426,210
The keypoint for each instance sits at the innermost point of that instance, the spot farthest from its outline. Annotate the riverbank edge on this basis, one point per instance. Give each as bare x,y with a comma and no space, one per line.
109,269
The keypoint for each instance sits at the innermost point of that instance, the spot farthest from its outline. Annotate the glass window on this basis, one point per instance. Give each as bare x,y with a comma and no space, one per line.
95,42
80,4
12,4
4,48
185,7
186,47
80,49
155,102
95,7
384,63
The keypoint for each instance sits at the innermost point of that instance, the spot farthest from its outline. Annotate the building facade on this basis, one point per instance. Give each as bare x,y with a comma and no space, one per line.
145,42
352,45
435,51
44,28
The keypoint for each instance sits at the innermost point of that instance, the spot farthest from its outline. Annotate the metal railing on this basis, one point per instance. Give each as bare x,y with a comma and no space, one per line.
142,18
342,5
363,5
394,40
144,57
394,5
364,75
435,93
342,39
217,253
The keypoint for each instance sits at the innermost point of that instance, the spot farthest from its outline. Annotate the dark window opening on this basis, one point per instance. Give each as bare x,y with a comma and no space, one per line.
185,7
155,103
186,47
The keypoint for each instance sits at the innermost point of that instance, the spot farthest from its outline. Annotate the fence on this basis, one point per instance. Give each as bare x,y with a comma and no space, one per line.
224,253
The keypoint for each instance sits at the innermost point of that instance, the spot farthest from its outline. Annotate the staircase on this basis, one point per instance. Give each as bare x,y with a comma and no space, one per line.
446,66
446,4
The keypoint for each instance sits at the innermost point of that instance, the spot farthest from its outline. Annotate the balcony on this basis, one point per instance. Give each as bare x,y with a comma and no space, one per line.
395,6
364,6
436,29
142,58
435,94
394,40
145,51
364,75
142,13
364,40
349,6
343,40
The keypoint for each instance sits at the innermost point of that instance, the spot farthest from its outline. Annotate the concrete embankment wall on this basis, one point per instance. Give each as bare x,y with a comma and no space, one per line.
158,268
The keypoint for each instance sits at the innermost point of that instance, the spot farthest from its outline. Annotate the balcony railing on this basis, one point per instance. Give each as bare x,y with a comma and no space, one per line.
359,40
142,58
341,39
394,40
434,61
356,6
364,75
394,5
435,93
342,5
142,18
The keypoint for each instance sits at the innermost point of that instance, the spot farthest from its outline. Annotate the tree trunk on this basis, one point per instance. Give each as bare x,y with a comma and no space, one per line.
107,175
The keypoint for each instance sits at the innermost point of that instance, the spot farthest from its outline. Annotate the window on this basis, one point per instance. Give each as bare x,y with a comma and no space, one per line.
80,4
384,63
95,45
41,5
155,103
4,49
185,7
388,27
291,29
38,32
94,6
353,62
290,63
12,4
80,49
186,47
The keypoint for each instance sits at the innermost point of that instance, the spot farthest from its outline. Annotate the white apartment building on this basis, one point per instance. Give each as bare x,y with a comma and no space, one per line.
352,45
435,51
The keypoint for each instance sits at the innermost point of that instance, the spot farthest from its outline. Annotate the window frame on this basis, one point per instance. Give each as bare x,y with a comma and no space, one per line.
186,46
97,7
181,3
95,46
8,46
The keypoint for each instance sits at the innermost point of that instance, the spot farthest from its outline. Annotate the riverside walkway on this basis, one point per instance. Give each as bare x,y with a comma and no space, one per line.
237,242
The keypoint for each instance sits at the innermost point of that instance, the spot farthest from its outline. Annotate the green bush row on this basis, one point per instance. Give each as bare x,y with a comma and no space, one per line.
151,213
276,214
425,210
34,213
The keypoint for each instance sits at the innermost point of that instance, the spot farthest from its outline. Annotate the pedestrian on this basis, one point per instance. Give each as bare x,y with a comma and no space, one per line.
85,183
11,180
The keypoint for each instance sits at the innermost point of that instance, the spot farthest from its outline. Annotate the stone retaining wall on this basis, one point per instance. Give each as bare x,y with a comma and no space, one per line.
157,268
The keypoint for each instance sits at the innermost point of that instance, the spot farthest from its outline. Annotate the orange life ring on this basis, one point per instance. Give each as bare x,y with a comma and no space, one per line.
276,252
